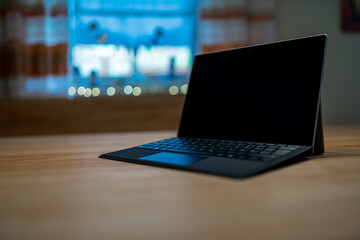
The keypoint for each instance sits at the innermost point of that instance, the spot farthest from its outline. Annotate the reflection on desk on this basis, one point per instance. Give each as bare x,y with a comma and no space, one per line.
56,187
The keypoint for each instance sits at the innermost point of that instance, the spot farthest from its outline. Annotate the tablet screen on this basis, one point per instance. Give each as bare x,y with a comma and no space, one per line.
263,93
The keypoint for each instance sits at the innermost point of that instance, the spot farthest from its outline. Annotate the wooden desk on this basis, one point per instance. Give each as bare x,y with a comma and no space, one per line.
55,187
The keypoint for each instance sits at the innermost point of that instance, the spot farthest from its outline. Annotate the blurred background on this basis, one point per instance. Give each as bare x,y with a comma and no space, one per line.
121,65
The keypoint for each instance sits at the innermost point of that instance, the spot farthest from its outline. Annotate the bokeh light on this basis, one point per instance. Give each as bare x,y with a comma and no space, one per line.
87,92
81,90
110,91
184,88
128,89
137,91
71,91
95,91
173,90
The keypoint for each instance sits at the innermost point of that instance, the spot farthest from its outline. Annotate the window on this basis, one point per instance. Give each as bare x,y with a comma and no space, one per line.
91,48
131,47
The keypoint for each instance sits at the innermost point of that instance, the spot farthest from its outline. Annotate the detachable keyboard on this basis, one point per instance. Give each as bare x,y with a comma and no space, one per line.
223,148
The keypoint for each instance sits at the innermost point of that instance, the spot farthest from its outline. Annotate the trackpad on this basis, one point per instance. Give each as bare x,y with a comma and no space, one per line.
173,158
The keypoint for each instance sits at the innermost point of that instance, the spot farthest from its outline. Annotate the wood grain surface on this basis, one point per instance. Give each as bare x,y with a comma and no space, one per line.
84,115
55,187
